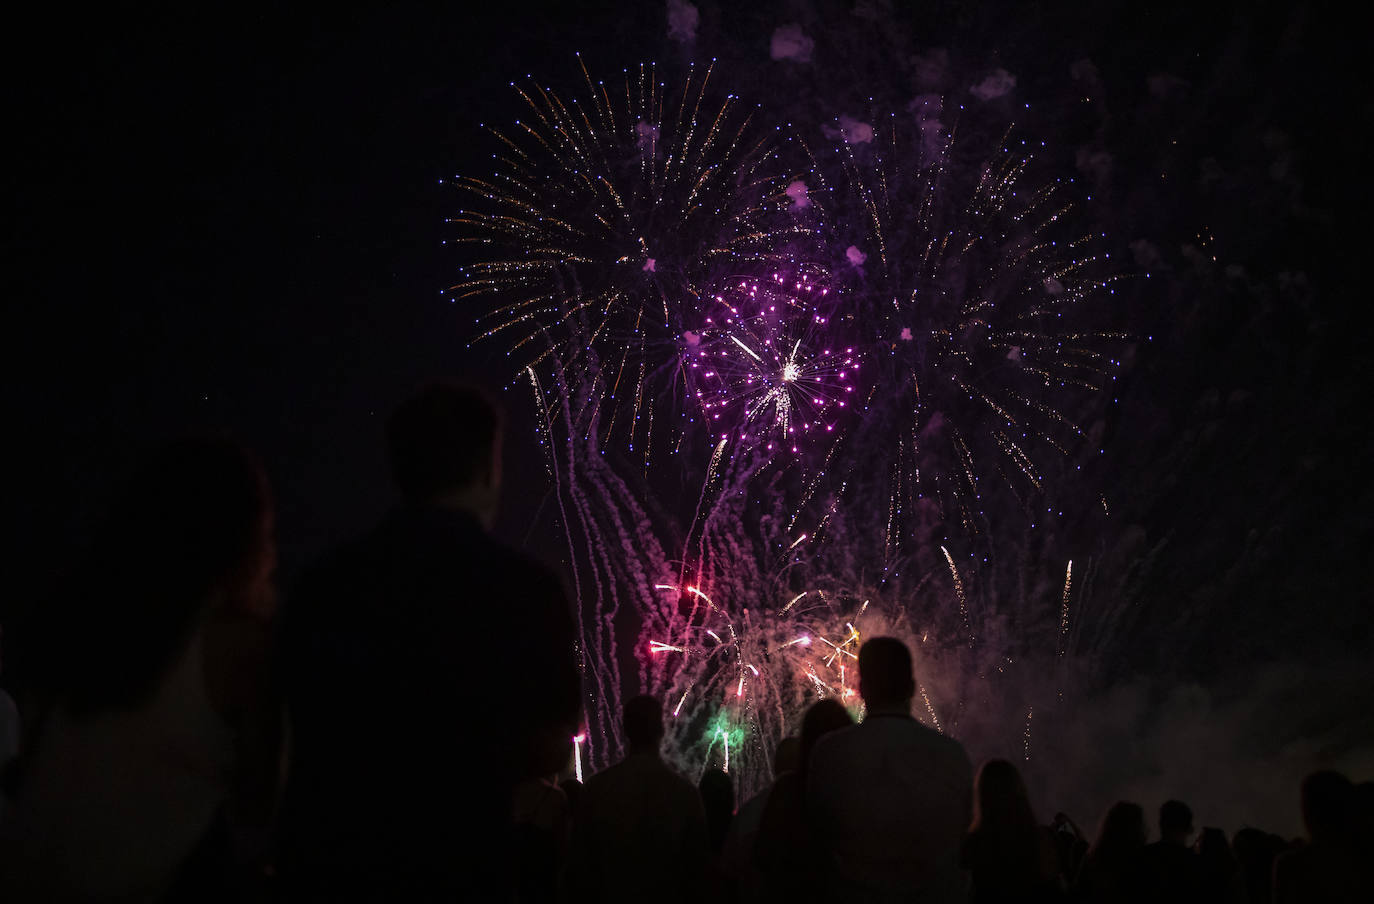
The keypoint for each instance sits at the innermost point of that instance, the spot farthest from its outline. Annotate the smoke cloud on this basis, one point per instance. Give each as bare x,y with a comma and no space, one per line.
1086,71
683,19
1162,85
791,43
1236,753
998,83
850,130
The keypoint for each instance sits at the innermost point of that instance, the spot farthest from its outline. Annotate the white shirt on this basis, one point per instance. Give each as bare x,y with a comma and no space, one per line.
890,800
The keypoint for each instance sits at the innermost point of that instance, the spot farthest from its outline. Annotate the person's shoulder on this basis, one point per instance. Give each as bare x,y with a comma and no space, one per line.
931,745
680,782
837,746
1296,858
524,567
343,559
687,795
599,783
1153,854
749,811
344,578
948,745
658,772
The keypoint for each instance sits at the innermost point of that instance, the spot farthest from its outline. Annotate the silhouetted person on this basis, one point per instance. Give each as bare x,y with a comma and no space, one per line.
1216,864
1329,867
1069,844
1009,856
1111,869
430,669
542,830
1255,852
889,799
718,797
785,849
1171,871
644,832
1364,819
152,734
737,858
9,731
575,792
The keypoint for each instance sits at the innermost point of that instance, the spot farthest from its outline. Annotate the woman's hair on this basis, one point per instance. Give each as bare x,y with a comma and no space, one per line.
1121,834
195,519
1004,827
1000,798
823,717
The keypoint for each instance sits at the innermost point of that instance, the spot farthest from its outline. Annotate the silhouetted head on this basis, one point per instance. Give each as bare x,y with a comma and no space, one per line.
787,755
643,723
445,448
1328,800
1364,812
192,532
1175,822
1121,835
1000,799
823,717
1255,851
1211,844
885,676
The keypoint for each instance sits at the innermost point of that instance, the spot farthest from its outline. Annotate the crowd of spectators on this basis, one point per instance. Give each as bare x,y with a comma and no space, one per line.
174,733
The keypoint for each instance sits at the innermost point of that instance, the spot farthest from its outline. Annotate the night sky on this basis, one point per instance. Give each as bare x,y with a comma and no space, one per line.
235,220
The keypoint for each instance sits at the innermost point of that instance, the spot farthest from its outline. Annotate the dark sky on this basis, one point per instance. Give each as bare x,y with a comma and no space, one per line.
234,219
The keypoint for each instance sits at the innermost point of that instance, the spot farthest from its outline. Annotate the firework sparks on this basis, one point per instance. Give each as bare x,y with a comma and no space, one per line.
650,262
765,364
974,283
1064,608
606,217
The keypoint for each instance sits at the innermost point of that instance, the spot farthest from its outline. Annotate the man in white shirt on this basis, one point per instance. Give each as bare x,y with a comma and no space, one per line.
889,800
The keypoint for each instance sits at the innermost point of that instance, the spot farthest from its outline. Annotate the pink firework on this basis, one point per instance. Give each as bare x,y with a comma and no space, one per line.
765,366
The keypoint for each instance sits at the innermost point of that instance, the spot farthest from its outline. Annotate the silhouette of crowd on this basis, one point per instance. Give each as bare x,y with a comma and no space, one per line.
171,731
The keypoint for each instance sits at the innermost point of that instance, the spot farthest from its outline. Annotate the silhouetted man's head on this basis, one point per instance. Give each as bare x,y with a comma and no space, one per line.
1175,821
1328,799
445,446
643,723
885,673
821,718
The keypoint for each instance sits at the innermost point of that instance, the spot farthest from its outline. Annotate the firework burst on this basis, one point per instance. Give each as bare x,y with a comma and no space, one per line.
846,369
607,215
766,366
977,291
